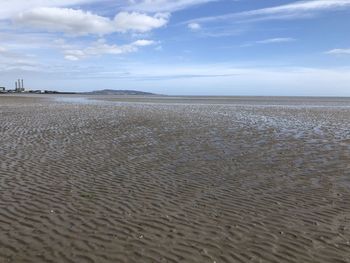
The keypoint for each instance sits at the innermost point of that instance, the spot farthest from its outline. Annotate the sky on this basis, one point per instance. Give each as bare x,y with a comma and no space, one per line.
178,47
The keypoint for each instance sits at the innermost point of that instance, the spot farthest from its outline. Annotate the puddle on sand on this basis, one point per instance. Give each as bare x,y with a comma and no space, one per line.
77,100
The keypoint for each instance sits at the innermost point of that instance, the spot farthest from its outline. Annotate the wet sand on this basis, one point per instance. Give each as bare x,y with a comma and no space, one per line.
186,180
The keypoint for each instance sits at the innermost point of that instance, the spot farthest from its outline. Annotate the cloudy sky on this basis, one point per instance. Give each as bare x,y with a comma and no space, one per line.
189,47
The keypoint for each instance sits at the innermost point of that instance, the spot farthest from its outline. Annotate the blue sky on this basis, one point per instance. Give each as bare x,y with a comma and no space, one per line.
178,47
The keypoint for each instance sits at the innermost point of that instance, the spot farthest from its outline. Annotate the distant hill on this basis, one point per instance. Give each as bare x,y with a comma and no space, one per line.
117,92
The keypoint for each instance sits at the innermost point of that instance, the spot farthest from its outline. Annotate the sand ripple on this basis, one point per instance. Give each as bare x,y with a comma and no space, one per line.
173,183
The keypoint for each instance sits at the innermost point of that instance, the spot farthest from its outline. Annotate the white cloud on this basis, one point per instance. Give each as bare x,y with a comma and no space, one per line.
301,6
164,5
139,22
294,10
275,40
6,52
11,8
65,20
12,60
339,51
194,26
143,43
102,48
78,22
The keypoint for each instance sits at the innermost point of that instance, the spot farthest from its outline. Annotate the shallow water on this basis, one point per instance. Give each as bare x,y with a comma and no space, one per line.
77,100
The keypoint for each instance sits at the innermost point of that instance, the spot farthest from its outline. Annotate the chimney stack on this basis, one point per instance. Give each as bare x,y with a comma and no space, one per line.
16,86
22,85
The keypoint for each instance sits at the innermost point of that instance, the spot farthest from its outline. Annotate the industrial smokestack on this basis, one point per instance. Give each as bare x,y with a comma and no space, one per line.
16,86
22,85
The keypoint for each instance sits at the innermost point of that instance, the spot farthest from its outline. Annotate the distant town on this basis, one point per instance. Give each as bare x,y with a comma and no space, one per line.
19,88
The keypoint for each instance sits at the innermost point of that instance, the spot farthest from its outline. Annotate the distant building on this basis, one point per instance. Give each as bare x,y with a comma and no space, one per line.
2,89
37,91
19,87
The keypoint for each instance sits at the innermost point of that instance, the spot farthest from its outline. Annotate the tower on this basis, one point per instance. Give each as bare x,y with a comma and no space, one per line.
22,88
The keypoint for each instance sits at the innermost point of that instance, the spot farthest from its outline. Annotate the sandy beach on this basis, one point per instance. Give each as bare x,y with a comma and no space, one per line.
122,179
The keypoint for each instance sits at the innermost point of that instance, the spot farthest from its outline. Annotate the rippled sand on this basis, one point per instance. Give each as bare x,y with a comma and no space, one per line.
174,182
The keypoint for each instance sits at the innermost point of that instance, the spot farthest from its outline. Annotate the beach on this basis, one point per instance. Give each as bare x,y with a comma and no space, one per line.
185,179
